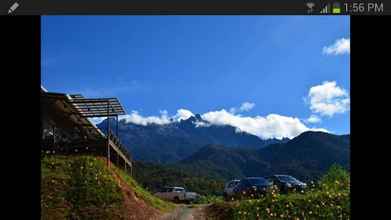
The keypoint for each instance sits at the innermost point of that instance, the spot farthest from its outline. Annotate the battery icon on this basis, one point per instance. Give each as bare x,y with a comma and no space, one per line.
336,8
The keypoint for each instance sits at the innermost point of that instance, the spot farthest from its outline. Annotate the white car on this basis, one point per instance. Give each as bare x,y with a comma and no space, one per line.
229,188
177,194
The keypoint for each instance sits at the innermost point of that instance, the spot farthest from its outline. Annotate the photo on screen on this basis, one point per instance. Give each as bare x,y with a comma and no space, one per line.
195,117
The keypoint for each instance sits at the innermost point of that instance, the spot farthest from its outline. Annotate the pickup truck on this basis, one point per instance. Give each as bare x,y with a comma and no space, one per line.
177,194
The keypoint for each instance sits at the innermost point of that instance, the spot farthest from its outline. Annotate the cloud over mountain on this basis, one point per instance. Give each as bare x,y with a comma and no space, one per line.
325,99
136,118
265,127
183,114
270,126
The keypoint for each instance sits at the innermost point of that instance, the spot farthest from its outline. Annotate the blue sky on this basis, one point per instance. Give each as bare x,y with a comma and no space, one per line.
204,64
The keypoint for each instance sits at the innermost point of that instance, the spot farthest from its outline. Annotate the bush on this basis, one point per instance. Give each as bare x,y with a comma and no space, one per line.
337,178
92,184
78,187
209,199
330,199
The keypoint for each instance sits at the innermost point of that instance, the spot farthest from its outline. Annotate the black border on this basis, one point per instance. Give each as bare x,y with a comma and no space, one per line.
370,89
20,118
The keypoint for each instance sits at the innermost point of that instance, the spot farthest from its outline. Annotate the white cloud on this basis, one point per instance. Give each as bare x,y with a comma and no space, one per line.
136,118
97,120
244,107
313,119
328,99
233,110
202,124
162,119
271,126
340,47
183,114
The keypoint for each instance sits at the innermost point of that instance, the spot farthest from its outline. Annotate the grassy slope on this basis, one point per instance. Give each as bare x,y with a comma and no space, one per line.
81,187
141,192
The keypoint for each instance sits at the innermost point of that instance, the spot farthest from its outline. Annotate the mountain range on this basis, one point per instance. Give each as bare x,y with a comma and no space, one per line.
306,156
175,141
223,152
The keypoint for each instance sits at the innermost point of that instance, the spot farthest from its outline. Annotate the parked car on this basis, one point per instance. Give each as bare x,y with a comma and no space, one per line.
177,194
287,183
251,187
229,189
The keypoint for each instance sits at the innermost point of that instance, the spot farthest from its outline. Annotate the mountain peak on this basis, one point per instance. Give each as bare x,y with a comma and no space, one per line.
195,118
198,116
313,133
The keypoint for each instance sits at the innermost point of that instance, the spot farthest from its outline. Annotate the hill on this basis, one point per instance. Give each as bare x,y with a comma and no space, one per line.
219,162
175,141
82,187
155,176
307,156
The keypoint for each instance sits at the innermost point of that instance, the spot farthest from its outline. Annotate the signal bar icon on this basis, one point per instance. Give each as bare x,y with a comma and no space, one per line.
326,9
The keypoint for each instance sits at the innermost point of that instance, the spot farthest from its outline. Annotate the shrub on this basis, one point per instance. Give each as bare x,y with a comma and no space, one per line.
78,187
336,178
209,199
330,199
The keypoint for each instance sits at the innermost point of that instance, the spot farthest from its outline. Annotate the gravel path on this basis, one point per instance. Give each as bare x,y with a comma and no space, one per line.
186,212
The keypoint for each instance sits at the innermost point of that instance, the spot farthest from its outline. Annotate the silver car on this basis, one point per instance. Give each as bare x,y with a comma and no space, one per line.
177,194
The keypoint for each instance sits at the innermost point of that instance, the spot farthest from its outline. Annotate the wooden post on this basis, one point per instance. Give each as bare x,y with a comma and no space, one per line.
108,133
116,128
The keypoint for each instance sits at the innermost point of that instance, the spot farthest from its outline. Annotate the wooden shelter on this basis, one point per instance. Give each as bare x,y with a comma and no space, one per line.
66,128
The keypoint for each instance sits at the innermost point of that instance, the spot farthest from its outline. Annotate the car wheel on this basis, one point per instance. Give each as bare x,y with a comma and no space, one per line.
176,200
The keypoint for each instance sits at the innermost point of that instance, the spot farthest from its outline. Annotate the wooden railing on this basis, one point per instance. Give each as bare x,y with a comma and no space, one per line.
121,147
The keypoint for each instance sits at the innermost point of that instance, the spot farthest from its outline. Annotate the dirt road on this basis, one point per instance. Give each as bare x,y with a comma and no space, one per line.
186,212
